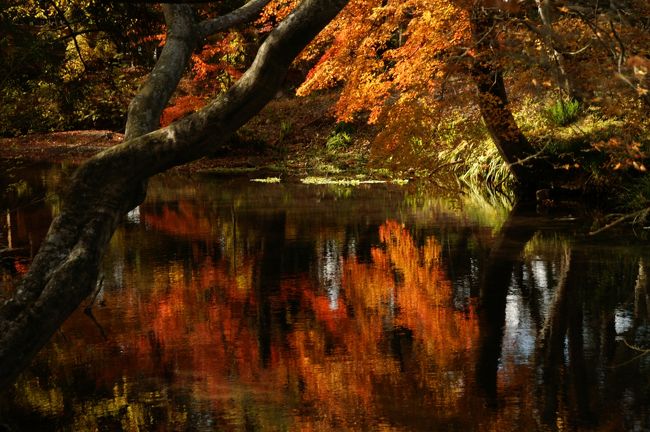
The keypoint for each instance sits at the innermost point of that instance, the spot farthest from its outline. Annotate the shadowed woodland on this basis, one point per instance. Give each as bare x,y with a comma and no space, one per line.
448,210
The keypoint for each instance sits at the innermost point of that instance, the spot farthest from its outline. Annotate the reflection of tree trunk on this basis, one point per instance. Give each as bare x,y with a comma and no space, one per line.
565,322
492,98
580,370
641,293
267,283
551,345
495,281
534,298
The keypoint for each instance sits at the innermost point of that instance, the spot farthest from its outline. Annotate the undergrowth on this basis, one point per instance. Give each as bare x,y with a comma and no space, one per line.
563,112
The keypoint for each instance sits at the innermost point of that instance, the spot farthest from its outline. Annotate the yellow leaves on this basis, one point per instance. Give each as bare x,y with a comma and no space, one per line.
275,12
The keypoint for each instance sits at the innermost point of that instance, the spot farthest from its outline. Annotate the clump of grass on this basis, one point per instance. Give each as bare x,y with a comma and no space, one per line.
477,162
286,127
563,112
340,138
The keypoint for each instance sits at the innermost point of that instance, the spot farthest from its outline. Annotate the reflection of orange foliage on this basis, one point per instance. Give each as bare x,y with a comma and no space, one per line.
185,221
420,299
332,355
425,297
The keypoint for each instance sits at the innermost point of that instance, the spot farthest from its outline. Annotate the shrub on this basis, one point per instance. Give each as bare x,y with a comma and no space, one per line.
340,138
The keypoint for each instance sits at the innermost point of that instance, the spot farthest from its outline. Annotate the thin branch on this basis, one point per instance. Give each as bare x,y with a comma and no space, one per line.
98,288
596,30
530,157
61,14
641,351
239,16
77,33
621,55
636,215
572,53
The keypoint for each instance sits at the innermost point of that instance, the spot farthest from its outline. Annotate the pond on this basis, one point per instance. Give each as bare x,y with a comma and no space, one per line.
226,304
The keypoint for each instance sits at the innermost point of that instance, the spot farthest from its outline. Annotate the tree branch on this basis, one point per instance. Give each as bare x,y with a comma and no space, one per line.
239,16
638,215
61,14
147,106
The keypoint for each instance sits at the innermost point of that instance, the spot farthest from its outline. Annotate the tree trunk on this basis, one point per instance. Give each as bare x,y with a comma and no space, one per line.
108,185
562,77
493,100
148,104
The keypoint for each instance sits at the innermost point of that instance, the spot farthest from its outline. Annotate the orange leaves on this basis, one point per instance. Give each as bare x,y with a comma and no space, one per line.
222,60
161,38
181,106
275,12
386,54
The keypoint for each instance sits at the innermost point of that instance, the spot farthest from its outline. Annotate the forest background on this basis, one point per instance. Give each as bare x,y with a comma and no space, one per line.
486,93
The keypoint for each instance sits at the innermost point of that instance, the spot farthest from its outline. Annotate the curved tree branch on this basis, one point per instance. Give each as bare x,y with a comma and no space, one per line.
234,18
183,36
105,187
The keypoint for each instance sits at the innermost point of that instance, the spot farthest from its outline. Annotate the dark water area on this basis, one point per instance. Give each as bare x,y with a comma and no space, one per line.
226,304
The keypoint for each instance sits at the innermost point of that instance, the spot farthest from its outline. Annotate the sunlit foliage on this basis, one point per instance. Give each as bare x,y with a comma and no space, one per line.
70,64
405,65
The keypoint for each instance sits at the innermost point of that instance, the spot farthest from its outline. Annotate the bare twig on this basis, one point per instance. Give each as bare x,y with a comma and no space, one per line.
641,214
61,14
621,54
236,17
528,158
88,310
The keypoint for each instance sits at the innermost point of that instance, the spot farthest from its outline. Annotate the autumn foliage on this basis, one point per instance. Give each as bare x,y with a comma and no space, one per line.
407,66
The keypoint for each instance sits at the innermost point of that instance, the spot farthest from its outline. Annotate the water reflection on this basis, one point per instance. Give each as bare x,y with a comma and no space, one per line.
230,305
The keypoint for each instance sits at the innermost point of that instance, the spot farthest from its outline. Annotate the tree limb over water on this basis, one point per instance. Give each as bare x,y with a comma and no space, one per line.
108,185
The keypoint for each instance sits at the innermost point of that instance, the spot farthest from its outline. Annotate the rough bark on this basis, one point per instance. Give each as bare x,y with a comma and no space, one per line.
148,104
104,188
492,97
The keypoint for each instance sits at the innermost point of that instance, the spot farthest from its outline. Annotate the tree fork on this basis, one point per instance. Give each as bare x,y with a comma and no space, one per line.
493,99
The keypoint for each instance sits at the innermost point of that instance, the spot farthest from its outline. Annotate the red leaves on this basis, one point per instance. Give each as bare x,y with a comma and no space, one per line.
182,105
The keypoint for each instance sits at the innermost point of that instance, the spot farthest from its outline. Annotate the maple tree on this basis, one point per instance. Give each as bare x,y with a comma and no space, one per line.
410,65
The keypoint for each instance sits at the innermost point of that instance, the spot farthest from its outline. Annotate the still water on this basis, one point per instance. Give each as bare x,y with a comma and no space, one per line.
225,304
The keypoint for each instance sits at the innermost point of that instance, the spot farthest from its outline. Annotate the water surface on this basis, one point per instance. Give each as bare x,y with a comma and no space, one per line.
225,304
